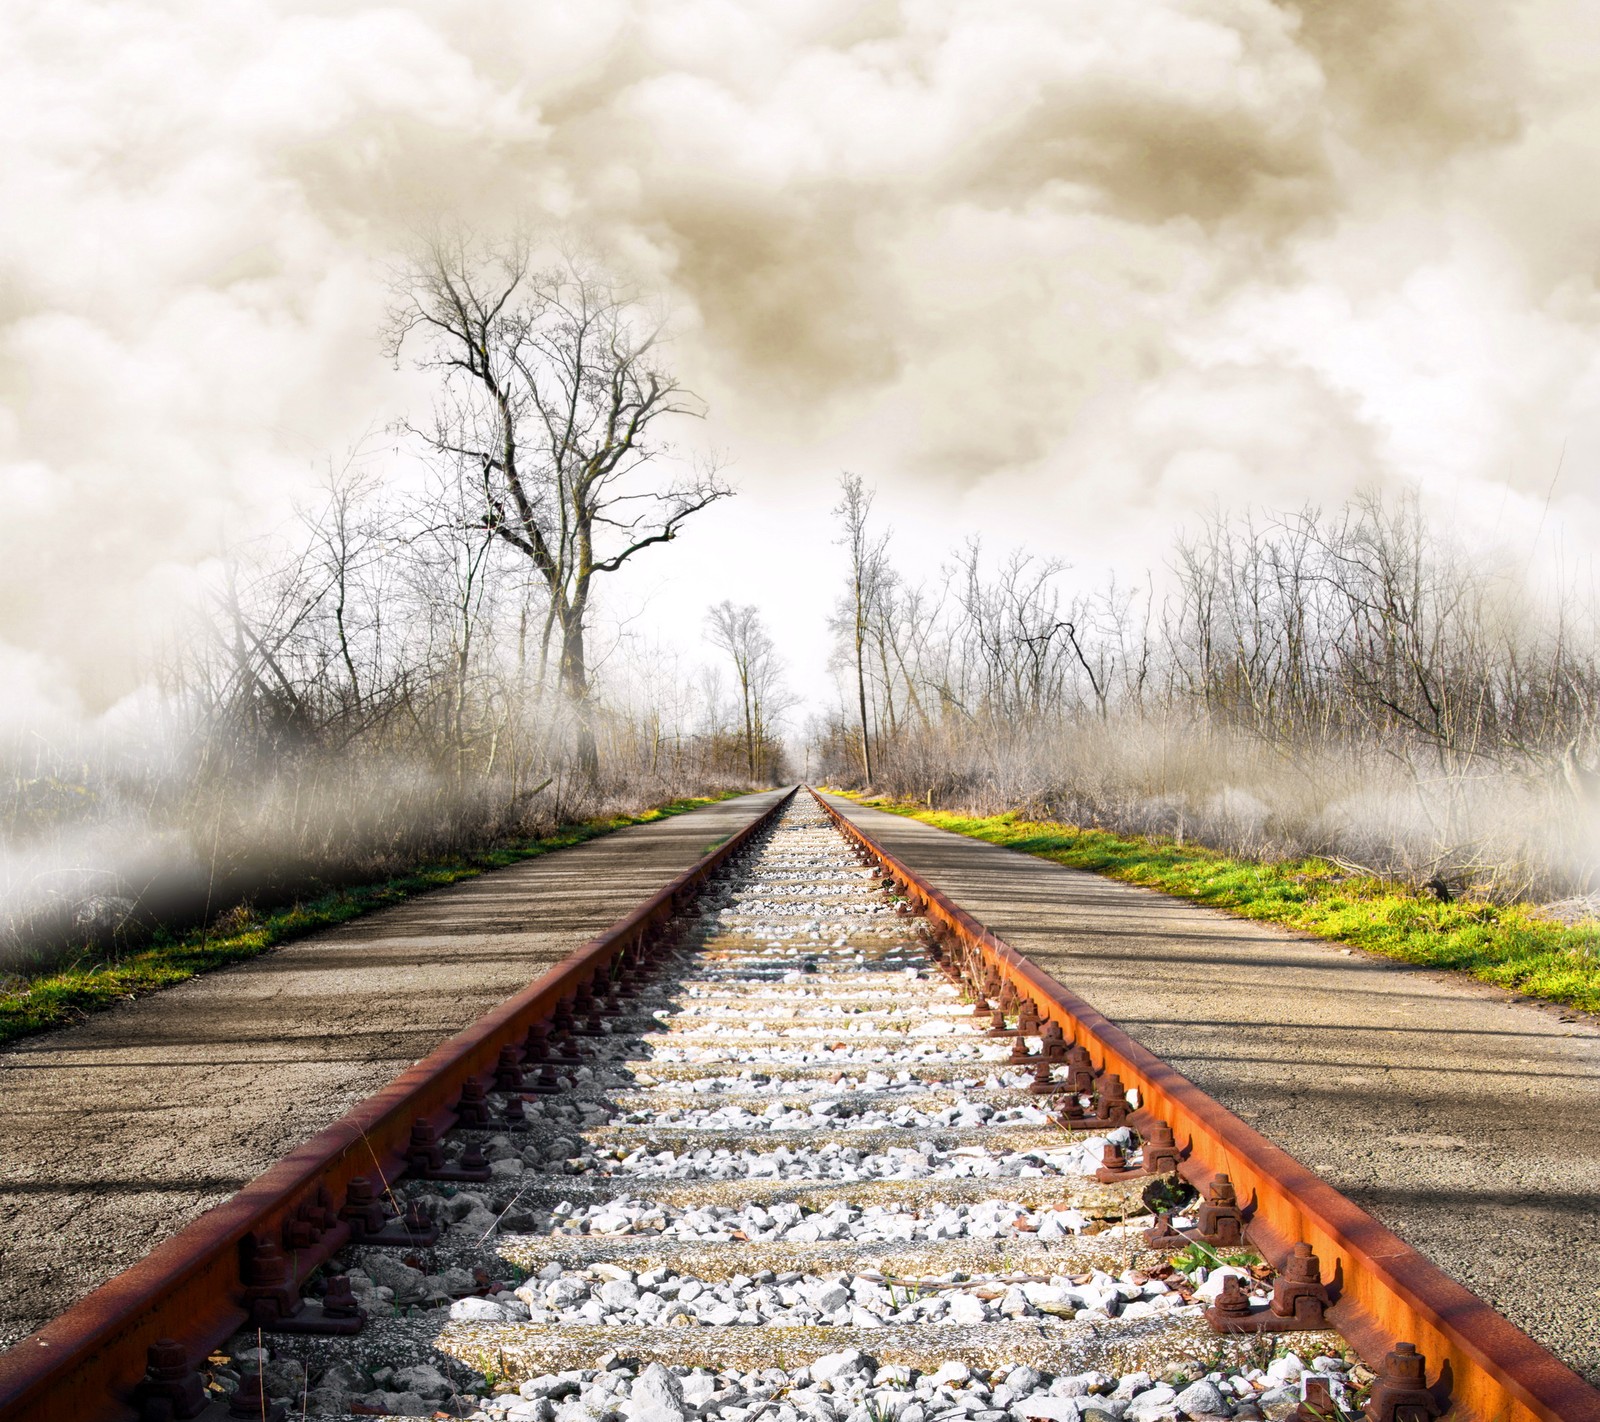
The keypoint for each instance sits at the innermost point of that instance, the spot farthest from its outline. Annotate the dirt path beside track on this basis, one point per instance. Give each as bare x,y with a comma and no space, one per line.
1466,1122
116,1133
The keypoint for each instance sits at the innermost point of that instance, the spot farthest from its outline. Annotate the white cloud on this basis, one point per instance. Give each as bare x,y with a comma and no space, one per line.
1061,269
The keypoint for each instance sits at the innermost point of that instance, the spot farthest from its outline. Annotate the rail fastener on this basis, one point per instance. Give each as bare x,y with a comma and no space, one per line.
1395,1307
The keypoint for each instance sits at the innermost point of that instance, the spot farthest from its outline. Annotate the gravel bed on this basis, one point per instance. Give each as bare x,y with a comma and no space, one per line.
798,962
848,1386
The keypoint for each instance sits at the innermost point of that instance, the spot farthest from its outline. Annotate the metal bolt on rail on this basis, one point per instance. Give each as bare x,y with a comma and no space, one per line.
171,1388
1112,1108
472,1110
1318,1402
371,1222
508,1070
1161,1154
1219,1220
1043,1084
1299,1299
1114,1165
1080,1070
1400,1392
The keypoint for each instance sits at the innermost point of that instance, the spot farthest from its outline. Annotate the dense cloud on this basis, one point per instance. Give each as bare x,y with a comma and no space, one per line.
1051,266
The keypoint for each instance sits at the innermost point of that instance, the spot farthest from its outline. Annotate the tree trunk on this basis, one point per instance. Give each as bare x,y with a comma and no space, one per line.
575,685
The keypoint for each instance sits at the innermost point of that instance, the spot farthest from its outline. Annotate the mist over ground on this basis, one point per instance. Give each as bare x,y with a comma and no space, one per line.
1059,274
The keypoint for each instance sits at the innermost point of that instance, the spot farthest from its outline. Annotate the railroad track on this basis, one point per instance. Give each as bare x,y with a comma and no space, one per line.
796,1141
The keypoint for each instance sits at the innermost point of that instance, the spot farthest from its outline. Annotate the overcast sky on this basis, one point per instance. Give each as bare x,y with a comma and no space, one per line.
1045,270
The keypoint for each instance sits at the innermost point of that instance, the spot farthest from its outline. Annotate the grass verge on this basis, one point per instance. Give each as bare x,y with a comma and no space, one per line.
1509,945
58,998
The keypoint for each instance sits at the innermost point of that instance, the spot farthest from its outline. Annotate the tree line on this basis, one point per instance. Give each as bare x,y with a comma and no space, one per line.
1347,682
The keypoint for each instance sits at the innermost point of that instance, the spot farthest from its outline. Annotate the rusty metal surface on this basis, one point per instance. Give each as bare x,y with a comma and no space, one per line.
1387,1293
84,1364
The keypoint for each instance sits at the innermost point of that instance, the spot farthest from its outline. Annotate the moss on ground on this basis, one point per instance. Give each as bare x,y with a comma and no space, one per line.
1510,945
55,999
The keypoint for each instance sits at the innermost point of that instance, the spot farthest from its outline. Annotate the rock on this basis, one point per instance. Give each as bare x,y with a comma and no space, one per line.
656,1396
952,1372
424,1380
1279,1403
409,1285
474,1310
1286,1369
1202,1398
839,1367
619,1293
539,1387
966,1310
476,1224
698,1388
506,1168
344,1377
830,1298
327,1402
1023,1380
1155,1404
1053,1409
284,1377
405,1404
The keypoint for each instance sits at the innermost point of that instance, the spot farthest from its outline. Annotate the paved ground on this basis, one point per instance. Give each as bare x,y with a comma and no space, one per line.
115,1134
1468,1123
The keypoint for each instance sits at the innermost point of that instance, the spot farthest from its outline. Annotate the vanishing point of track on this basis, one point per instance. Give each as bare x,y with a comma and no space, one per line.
796,1139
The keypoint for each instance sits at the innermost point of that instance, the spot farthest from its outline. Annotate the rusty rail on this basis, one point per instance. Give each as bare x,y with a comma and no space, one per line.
83,1365
1386,1291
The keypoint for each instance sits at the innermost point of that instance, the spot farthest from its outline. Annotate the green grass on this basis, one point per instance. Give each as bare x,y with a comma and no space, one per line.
1509,945
58,998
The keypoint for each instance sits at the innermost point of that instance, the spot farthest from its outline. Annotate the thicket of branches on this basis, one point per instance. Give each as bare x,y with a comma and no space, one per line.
418,669
1346,683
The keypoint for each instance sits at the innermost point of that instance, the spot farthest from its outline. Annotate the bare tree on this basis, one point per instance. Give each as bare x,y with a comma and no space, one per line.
738,631
553,386
869,569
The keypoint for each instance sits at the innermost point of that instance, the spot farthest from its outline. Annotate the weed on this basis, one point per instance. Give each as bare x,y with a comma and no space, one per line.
1508,945
1198,1256
58,998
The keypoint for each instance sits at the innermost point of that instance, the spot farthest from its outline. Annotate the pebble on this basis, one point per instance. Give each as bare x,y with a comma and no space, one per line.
804,964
